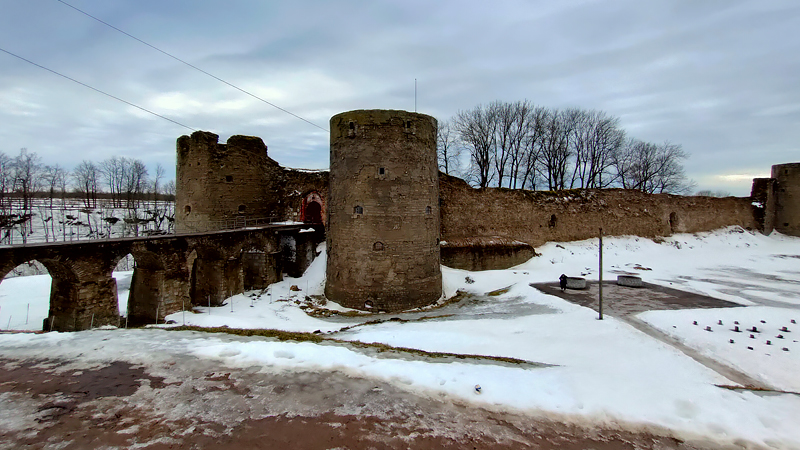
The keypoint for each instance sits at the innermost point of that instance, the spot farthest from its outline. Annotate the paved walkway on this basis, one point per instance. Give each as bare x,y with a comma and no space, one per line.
625,302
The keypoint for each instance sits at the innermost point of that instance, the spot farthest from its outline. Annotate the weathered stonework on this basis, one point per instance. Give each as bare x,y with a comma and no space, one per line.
383,211
786,194
385,206
222,186
560,216
171,273
493,253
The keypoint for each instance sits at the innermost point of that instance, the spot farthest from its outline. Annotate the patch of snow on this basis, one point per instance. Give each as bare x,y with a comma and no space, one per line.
768,363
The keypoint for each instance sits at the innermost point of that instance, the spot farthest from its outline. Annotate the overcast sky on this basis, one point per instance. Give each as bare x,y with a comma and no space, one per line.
721,78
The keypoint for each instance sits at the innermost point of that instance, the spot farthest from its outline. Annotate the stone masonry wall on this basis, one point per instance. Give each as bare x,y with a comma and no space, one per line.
383,213
539,217
221,185
787,198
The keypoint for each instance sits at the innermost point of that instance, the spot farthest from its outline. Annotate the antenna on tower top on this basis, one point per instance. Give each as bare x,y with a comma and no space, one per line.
415,95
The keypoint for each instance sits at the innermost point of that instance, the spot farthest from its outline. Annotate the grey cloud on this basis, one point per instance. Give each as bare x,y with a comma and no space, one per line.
718,77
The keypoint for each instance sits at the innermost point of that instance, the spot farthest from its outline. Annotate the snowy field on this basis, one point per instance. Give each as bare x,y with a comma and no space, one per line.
69,219
586,371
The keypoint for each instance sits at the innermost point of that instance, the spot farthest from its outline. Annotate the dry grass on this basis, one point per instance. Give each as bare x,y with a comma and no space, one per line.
499,292
318,338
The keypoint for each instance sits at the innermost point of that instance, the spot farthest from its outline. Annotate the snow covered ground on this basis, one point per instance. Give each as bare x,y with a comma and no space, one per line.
604,372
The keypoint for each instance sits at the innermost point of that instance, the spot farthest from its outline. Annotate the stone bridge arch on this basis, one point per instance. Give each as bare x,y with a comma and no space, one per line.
171,272
147,299
64,291
260,261
206,268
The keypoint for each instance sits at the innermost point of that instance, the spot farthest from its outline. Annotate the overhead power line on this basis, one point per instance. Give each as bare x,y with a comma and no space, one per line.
191,65
95,89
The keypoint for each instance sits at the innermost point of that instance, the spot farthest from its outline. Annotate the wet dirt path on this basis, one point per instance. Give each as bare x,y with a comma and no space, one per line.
191,403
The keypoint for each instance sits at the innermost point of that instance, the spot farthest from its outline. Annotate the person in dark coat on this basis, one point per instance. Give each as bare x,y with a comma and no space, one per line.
563,282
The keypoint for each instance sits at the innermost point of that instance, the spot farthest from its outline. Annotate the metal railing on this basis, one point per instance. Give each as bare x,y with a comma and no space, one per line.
233,223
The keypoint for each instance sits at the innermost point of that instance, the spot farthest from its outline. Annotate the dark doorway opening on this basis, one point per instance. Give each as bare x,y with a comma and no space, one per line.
313,213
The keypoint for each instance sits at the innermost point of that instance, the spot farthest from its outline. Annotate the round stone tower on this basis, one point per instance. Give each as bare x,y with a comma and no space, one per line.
219,185
787,198
383,211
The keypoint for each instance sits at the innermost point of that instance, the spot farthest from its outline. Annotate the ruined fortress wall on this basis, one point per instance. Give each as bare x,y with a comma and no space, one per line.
383,214
539,217
220,185
762,196
300,187
223,182
786,204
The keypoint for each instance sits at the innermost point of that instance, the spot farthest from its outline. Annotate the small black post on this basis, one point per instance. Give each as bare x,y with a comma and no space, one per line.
600,285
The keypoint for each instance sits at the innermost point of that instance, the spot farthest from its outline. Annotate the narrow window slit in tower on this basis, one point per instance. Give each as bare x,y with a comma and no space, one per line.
229,178
358,210
381,171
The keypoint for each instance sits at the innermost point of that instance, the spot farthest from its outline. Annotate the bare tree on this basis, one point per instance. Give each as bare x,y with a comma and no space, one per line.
556,148
157,181
517,139
86,178
710,193
506,117
670,176
53,177
6,183
652,168
169,188
527,145
27,169
447,149
134,181
533,143
113,172
477,130
596,136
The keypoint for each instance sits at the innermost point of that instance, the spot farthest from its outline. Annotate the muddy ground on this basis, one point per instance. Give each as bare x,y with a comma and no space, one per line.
190,403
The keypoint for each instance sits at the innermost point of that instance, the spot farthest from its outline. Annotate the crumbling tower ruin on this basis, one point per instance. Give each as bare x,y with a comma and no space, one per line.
383,211
218,185
785,202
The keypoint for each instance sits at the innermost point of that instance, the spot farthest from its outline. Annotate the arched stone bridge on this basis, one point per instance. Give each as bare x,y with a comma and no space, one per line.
171,273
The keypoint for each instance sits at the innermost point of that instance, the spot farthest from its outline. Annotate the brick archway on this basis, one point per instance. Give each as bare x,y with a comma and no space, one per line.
313,209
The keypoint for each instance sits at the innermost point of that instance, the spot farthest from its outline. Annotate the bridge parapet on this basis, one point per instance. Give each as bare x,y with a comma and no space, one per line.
171,272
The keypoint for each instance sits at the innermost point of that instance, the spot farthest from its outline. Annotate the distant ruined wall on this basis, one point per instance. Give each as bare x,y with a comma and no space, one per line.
540,216
221,185
302,186
222,182
226,183
762,195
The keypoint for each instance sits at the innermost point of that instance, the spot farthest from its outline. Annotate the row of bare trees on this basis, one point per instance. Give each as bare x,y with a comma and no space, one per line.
521,145
127,180
124,181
